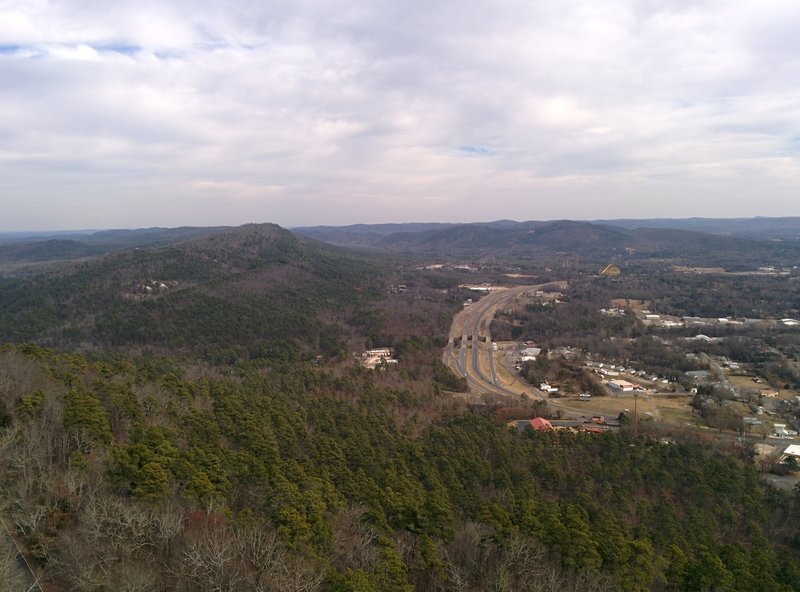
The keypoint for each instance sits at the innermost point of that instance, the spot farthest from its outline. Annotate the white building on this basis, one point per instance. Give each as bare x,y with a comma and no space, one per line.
622,386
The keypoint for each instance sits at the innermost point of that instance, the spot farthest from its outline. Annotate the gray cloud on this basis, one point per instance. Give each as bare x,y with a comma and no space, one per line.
337,112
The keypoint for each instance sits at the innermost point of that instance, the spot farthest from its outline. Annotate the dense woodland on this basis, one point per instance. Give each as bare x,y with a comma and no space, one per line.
216,434
123,474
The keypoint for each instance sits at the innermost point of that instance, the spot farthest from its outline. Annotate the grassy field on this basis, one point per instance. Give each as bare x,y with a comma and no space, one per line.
636,306
666,409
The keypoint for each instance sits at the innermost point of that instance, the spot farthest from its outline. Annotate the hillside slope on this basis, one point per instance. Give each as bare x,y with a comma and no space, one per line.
240,288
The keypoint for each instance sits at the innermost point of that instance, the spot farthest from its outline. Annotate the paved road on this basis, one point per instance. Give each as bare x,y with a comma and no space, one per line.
475,328
476,321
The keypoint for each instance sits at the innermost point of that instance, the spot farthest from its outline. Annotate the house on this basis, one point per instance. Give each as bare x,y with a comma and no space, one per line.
540,424
792,451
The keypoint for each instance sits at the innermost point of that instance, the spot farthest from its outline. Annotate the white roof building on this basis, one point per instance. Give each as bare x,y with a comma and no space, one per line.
622,385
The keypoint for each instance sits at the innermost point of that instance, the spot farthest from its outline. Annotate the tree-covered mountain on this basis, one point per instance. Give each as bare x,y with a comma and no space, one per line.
253,287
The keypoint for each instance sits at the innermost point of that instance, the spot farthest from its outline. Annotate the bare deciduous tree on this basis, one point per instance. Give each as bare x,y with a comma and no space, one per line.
354,540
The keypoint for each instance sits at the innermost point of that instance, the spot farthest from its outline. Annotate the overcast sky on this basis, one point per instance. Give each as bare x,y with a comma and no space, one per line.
130,114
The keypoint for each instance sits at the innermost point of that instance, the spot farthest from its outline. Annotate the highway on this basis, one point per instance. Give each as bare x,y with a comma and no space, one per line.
472,325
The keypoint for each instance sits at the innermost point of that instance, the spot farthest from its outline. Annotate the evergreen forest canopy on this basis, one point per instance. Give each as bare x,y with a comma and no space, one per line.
187,437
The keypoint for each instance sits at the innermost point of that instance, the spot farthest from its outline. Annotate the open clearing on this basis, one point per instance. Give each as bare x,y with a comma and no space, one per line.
636,306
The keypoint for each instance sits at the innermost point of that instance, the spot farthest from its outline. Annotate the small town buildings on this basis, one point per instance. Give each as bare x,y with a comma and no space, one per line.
792,451
372,358
622,386
596,424
531,351
781,431
698,374
541,424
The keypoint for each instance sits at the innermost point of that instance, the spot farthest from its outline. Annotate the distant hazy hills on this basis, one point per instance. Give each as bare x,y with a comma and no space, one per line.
760,227
733,242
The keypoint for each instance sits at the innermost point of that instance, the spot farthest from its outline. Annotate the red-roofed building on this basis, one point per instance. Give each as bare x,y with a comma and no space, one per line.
540,423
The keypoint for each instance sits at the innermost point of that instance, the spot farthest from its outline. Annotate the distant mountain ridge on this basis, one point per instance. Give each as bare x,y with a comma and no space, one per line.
758,227
632,240
18,248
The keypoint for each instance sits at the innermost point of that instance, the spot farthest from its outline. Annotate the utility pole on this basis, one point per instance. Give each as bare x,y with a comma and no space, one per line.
635,416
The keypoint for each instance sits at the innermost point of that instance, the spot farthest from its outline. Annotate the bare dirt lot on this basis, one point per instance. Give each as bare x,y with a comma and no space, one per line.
636,306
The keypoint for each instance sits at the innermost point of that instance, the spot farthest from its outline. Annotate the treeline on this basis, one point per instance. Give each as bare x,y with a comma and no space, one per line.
144,474
705,295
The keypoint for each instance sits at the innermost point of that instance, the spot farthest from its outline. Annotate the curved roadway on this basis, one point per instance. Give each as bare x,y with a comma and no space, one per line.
476,341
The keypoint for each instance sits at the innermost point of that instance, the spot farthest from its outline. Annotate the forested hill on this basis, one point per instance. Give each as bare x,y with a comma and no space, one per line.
20,249
134,475
592,242
257,286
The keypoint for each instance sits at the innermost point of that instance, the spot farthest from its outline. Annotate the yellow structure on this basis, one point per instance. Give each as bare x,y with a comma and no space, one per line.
610,269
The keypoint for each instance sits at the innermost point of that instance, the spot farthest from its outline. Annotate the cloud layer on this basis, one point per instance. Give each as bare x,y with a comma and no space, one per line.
309,112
